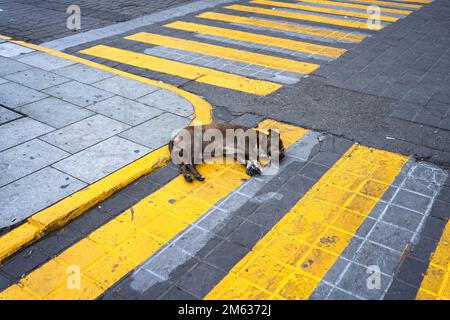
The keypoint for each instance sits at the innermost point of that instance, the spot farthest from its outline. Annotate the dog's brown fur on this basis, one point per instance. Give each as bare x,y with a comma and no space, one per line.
187,168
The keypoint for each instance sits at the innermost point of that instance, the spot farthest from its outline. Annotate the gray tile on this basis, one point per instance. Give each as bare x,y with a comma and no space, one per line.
84,133
321,291
337,294
35,192
84,74
162,263
8,66
55,112
355,281
146,134
78,93
26,158
247,234
2,81
168,101
125,110
391,236
102,159
226,255
411,200
7,115
200,280
374,254
403,217
125,87
37,79
14,95
336,270
8,49
45,61
193,240
21,130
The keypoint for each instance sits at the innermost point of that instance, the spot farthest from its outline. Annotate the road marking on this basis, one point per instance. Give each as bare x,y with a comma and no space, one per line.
184,70
76,204
293,45
226,53
357,6
416,1
436,282
307,17
322,10
119,246
292,258
270,24
389,3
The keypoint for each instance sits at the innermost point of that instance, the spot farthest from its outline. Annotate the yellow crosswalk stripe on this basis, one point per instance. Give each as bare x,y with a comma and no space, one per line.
306,17
119,246
292,258
389,3
325,33
418,1
184,70
321,10
357,6
436,282
293,45
226,53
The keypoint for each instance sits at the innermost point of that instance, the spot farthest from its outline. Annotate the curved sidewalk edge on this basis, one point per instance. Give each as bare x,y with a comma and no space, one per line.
69,208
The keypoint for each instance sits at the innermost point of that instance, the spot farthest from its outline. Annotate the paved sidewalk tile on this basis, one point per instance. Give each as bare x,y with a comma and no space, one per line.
41,189
85,133
45,61
8,66
168,101
27,158
125,87
37,79
21,130
125,110
8,49
55,112
78,93
156,132
10,97
104,158
7,115
84,74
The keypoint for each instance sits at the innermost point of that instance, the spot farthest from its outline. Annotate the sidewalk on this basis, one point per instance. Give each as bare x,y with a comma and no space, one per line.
64,126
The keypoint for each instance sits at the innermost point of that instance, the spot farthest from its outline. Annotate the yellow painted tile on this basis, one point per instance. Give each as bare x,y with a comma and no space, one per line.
225,52
374,188
433,279
424,295
17,292
190,209
167,199
334,241
165,227
358,6
140,215
321,9
298,287
285,250
333,34
183,70
47,278
317,262
258,38
331,194
238,290
112,234
303,16
303,229
361,204
82,254
17,238
211,193
264,273
87,289
390,3
138,247
230,179
445,292
318,211
108,270
349,221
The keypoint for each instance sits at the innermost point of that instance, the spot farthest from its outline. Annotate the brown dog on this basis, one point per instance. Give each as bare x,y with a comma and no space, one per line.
199,143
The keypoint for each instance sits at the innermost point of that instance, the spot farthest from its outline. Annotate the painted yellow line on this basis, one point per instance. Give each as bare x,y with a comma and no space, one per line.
436,282
306,17
325,33
291,260
417,1
293,45
122,244
226,53
389,3
76,204
321,10
357,6
184,70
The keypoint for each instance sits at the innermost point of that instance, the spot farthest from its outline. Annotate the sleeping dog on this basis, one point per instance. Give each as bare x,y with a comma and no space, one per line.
248,146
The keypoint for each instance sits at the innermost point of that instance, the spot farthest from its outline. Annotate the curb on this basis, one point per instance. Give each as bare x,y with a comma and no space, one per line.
71,207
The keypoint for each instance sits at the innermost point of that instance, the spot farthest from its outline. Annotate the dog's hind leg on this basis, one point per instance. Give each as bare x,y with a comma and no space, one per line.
184,170
197,174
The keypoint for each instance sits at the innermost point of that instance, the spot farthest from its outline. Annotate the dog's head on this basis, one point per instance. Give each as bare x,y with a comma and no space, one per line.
277,150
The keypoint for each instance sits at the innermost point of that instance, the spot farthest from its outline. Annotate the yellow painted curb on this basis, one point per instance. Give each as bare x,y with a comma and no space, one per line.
76,204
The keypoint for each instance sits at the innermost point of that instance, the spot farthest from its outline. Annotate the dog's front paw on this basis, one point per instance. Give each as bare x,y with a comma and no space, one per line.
188,178
253,170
